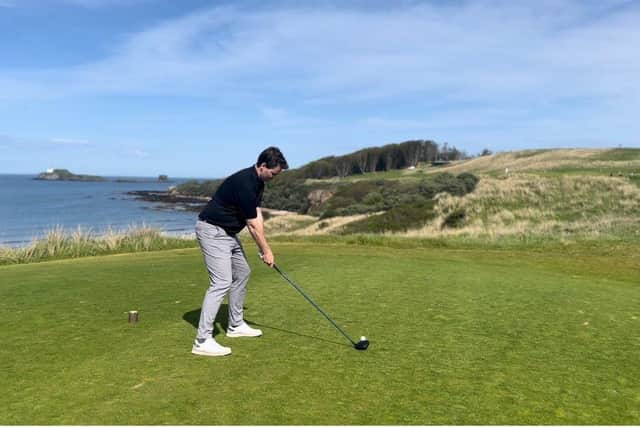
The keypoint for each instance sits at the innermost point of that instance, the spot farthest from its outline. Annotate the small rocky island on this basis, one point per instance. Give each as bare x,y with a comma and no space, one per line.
65,175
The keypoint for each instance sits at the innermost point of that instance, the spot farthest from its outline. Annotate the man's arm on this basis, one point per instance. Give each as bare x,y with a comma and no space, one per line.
256,229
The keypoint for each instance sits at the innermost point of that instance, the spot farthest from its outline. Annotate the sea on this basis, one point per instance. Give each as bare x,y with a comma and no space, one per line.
30,208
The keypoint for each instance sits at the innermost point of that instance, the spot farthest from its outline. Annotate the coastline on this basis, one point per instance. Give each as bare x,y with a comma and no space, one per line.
29,209
170,200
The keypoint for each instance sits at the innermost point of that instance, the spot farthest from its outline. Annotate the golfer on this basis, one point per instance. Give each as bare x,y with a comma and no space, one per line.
235,204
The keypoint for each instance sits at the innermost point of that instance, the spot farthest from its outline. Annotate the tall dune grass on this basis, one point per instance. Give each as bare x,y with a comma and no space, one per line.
554,207
58,244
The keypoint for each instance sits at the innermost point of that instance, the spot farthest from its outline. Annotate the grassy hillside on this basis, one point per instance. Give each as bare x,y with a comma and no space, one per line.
603,162
555,162
548,194
472,336
558,206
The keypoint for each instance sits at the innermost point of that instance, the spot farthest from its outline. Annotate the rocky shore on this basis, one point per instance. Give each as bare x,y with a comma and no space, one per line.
171,200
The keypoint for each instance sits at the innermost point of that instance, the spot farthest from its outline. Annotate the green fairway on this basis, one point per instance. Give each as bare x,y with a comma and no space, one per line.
457,337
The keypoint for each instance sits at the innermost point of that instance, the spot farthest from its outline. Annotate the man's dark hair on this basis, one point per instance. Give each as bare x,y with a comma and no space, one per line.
273,157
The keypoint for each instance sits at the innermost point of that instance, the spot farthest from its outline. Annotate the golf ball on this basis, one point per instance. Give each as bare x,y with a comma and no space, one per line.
363,338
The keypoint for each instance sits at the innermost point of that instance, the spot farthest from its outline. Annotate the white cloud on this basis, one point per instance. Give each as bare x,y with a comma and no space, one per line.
519,63
475,51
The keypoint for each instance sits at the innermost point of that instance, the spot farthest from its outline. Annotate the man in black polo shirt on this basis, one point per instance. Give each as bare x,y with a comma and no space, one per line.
235,204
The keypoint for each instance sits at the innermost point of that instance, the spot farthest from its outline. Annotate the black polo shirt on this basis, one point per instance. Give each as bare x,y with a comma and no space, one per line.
235,201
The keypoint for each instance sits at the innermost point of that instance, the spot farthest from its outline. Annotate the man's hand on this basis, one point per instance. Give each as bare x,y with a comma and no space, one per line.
256,229
268,258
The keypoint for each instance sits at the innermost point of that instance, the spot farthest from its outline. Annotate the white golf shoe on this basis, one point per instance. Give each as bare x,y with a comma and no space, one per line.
243,330
209,347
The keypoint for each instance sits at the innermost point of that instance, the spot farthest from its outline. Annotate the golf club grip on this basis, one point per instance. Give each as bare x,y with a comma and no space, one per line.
317,307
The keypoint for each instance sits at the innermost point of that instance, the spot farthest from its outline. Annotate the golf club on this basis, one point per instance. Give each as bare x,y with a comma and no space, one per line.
360,345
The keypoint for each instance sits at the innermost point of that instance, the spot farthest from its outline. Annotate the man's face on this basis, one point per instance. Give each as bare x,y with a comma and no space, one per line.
267,174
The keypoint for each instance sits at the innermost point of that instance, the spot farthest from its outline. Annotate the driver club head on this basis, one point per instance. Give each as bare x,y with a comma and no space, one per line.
363,344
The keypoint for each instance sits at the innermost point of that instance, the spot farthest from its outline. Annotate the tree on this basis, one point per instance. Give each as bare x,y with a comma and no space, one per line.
361,160
388,159
444,154
413,150
430,151
455,154
343,166
373,156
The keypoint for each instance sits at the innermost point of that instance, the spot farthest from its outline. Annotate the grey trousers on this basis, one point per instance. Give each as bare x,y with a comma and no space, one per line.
228,274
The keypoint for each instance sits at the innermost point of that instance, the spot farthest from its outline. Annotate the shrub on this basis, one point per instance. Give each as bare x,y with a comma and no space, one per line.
450,184
469,181
288,192
197,188
428,188
359,190
455,219
373,198
397,219
355,209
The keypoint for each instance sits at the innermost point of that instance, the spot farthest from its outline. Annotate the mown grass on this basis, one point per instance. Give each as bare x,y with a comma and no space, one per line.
458,336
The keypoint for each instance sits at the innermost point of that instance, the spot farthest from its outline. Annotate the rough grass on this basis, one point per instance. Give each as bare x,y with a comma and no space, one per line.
587,162
58,244
288,223
620,154
316,227
564,194
552,207
458,336
522,206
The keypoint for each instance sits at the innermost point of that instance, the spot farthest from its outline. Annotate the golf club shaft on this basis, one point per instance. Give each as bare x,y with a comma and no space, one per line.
308,298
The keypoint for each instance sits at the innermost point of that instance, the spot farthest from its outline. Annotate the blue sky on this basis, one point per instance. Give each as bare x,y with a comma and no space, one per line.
197,88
